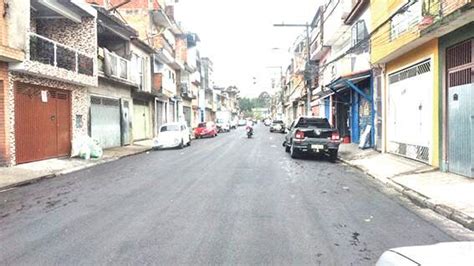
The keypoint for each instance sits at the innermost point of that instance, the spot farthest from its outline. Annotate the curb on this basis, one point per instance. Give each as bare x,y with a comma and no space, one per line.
68,171
423,201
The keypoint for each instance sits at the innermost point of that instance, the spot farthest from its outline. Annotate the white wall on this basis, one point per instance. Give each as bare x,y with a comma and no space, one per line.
168,82
18,19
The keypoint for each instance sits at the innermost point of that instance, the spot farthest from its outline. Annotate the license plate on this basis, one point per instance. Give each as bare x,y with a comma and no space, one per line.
317,147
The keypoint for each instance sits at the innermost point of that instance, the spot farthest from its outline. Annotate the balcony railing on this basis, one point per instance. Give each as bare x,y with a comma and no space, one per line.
116,67
49,52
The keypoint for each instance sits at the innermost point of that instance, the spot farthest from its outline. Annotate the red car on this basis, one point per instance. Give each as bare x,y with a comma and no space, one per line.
206,129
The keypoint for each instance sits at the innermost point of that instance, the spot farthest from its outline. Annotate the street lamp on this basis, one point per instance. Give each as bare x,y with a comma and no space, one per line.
308,64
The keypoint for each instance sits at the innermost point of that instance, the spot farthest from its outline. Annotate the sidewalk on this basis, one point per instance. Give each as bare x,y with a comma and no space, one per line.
447,194
33,172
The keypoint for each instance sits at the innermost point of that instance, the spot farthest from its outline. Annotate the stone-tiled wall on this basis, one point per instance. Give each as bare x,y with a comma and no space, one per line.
82,36
79,101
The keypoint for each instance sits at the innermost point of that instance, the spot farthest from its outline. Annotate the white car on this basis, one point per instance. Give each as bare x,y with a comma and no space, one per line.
234,123
222,125
172,135
446,253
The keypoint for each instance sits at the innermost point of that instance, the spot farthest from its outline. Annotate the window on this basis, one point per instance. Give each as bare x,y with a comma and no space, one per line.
169,128
359,32
403,21
313,123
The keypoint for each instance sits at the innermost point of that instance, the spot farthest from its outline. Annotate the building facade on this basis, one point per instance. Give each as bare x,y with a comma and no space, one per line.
422,48
45,92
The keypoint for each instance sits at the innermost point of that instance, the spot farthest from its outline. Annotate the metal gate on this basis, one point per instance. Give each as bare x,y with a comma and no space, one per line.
410,112
172,110
159,115
105,121
42,123
125,121
187,115
141,116
460,67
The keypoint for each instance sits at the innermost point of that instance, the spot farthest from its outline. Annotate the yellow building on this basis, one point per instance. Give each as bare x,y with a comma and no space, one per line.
409,79
420,47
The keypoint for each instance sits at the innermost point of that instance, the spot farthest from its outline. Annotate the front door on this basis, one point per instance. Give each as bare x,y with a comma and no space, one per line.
140,120
42,123
460,66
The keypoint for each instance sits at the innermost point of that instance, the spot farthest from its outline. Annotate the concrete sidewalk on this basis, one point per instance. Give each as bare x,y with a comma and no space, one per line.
33,172
447,194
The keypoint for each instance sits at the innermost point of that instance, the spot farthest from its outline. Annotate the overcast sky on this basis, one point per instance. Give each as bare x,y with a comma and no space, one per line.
239,37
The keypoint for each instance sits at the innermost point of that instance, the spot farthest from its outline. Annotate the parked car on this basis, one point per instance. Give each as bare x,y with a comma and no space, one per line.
277,126
172,135
267,122
205,129
312,135
447,253
222,125
242,122
234,123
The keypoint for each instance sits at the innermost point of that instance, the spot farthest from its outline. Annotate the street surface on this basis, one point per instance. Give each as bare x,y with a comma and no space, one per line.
224,200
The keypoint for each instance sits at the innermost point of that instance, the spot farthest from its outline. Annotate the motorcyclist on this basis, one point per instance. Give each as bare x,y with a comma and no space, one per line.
249,126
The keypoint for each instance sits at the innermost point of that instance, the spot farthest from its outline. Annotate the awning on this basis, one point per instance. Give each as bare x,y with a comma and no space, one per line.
350,81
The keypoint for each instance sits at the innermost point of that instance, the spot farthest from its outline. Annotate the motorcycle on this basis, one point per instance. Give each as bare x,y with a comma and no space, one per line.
249,131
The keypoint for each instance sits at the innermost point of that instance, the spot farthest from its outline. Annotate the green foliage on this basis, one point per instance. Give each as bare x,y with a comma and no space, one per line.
262,101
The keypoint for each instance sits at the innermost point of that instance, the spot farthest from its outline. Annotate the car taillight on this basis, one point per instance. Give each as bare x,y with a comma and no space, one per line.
299,135
335,135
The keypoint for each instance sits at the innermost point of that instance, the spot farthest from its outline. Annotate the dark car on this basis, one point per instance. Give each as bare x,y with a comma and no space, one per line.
312,135
277,126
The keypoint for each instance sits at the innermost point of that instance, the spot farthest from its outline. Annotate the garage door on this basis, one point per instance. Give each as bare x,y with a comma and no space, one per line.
42,123
410,112
141,120
105,121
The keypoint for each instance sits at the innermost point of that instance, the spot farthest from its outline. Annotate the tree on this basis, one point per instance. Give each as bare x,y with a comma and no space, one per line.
264,100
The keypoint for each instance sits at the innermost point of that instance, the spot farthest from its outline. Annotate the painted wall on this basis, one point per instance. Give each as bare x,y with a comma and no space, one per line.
428,50
381,43
18,17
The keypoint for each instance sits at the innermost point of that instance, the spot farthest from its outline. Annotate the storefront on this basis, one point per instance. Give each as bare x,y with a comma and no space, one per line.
349,107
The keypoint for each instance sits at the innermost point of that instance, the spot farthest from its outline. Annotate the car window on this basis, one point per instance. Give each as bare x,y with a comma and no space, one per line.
202,125
313,123
169,128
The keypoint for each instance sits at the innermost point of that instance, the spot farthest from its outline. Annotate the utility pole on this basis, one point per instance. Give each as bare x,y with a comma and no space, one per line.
308,68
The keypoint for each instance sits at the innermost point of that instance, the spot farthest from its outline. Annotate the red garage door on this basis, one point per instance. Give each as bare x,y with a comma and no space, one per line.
42,123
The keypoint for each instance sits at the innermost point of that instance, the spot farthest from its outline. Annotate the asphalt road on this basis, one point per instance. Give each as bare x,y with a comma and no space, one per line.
224,200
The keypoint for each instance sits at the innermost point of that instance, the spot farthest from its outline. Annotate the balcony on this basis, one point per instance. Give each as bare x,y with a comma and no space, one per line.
186,92
445,15
50,59
115,67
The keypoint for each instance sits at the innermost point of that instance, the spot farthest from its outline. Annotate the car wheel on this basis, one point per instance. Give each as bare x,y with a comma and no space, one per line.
293,153
181,145
333,156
